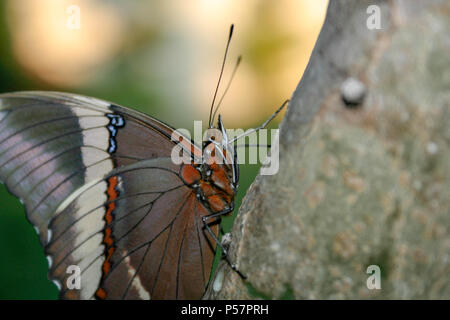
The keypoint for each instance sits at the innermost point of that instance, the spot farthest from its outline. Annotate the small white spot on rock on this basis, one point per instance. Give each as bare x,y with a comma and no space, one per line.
226,239
275,246
218,281
353,91
432,148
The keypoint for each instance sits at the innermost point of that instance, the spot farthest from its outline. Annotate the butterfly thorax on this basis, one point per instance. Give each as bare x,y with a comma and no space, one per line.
215,179
212,183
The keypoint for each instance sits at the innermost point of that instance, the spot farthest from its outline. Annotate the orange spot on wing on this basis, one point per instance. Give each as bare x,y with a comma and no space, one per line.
108,239
112,195
100,293
189,174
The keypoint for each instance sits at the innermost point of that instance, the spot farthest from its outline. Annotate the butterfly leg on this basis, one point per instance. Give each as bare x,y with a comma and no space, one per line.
224,251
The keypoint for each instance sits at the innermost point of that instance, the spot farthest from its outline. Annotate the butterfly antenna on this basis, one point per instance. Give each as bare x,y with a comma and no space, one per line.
221,73
228,87
261,126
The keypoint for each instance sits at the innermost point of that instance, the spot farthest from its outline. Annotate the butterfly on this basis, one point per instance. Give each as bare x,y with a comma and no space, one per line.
100,188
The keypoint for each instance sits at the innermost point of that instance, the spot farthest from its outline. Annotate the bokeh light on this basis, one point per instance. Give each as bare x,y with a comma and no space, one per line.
174,48
46,45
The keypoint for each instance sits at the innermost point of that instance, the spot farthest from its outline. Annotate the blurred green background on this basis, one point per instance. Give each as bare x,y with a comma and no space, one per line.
162,58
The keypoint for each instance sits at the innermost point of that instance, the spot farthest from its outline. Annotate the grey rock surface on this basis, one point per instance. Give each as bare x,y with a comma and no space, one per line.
357,186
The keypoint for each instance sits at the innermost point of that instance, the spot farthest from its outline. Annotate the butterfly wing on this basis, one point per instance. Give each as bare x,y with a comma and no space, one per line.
141,239
78,164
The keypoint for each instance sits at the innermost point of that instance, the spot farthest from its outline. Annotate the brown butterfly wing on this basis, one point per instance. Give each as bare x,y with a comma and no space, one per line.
51,144
157,246
77,163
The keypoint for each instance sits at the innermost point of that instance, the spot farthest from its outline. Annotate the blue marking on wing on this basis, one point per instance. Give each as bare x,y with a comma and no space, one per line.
115,123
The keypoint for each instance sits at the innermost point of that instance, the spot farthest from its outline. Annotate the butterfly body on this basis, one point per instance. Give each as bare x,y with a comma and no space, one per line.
98,183
214,188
